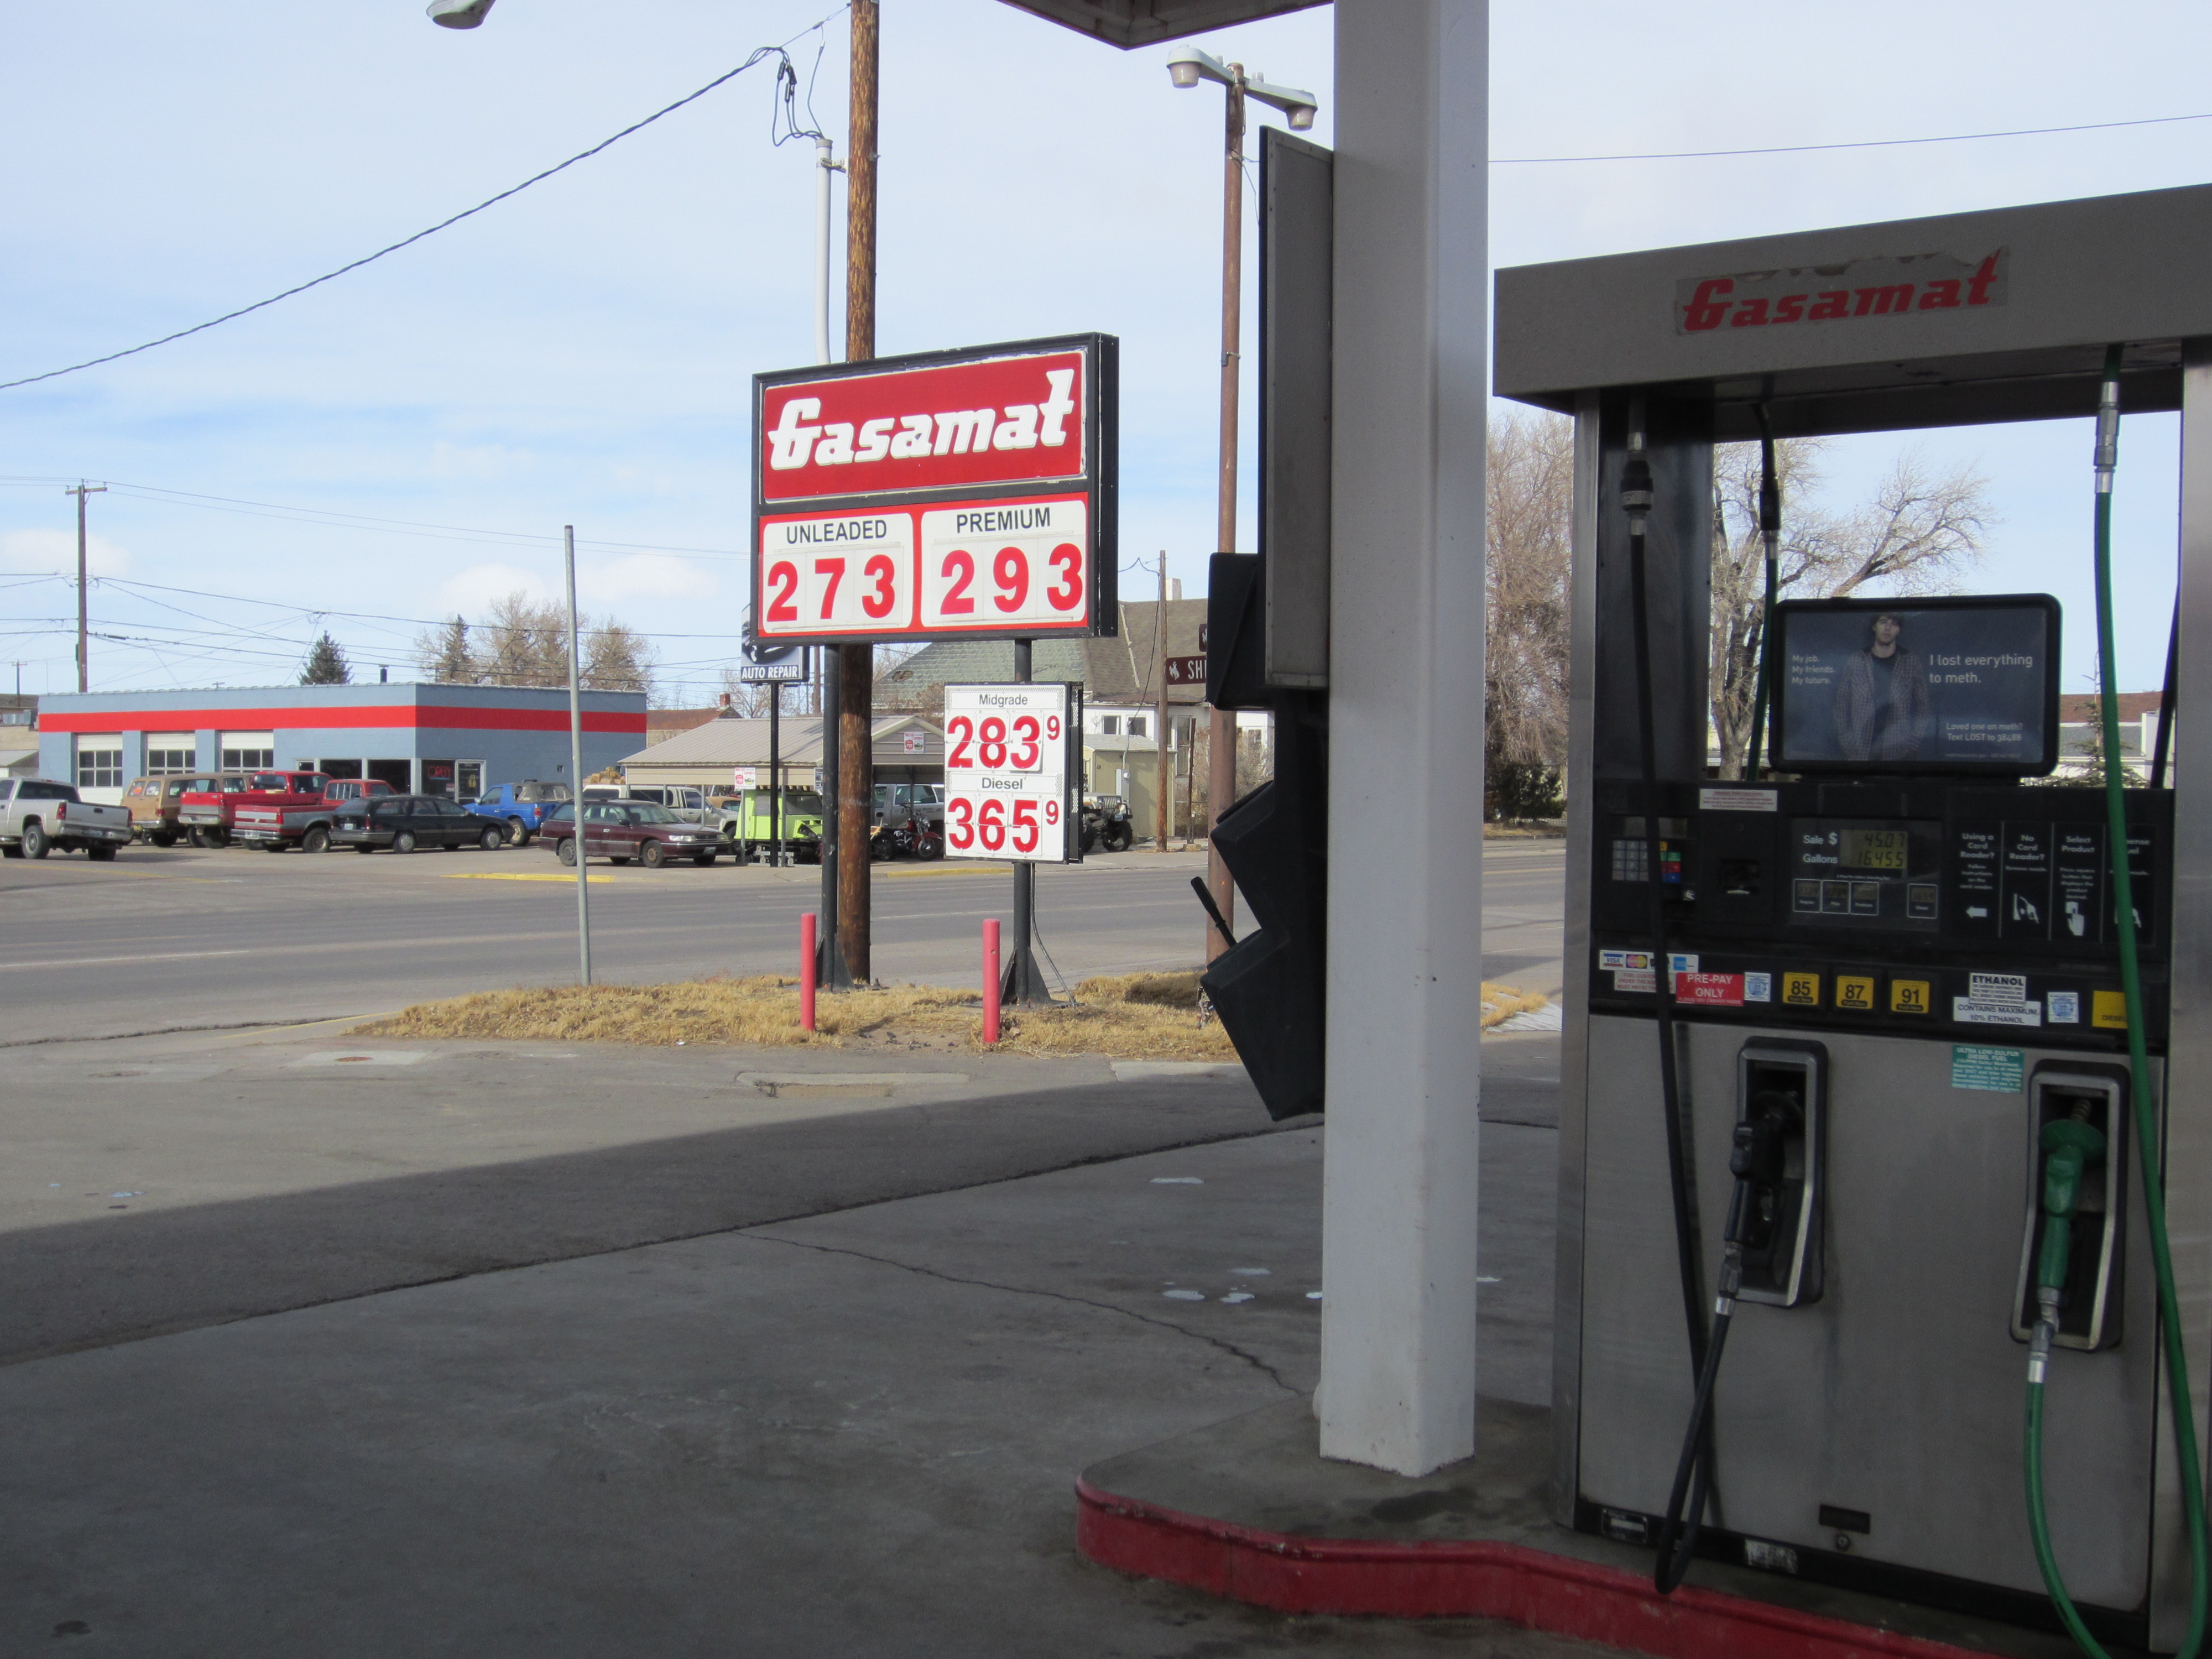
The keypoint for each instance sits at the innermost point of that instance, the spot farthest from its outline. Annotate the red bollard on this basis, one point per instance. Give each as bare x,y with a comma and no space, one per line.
806,972
991,979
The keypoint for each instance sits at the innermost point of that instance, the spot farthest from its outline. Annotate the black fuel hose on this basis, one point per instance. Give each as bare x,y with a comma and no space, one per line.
1770,532
1636,499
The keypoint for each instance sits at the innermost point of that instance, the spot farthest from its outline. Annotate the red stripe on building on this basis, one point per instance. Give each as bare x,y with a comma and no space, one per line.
384,716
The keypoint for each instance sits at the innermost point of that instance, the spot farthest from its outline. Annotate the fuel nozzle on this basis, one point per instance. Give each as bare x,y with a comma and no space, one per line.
2070,1146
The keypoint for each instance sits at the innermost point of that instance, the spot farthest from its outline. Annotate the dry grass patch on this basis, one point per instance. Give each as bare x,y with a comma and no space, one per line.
1129,1016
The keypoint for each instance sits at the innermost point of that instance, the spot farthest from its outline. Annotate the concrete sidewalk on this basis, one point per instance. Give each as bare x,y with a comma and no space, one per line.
853,1430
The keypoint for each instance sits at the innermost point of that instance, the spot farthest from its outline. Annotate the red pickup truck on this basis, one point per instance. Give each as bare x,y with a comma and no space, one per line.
300,814
209,807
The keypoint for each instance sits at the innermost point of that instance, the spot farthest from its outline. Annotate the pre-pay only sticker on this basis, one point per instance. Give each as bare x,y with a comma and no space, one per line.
1710,990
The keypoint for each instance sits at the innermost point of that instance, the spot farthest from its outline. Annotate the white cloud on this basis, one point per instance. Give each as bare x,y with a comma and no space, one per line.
56,550
471,592
478,461
646,576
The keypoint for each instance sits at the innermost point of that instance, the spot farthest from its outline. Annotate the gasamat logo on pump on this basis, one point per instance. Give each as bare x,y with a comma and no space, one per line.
1886,286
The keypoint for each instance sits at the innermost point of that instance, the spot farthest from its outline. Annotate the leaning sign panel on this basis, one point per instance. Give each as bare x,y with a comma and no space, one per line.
964,494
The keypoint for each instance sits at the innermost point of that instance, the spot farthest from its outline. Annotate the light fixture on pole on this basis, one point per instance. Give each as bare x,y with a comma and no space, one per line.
1187,67
457,14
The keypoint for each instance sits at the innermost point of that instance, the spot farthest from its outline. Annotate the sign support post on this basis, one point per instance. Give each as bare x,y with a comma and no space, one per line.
855,671
1024,985
774,769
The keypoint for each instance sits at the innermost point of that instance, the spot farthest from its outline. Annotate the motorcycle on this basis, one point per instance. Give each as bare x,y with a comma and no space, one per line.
1106,823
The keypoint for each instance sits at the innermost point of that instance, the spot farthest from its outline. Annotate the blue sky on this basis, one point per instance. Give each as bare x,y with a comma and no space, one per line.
582,354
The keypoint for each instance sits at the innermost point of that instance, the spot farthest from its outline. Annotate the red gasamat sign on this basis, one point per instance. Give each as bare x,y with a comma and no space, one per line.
1012,419
961,494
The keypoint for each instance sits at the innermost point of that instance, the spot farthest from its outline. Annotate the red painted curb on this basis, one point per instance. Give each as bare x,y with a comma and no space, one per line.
1511,1583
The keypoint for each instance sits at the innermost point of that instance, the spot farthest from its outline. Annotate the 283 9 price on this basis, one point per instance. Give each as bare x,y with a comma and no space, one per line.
995,744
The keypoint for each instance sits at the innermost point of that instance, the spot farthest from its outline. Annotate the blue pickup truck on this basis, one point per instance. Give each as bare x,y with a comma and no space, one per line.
523,807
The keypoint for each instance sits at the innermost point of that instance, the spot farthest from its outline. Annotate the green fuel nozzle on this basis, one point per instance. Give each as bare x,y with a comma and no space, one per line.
2069,1146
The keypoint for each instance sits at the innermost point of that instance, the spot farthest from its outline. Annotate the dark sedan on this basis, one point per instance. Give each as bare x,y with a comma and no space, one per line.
404,822
620,830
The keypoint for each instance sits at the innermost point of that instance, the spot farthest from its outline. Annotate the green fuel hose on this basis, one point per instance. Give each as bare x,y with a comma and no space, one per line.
2147,1134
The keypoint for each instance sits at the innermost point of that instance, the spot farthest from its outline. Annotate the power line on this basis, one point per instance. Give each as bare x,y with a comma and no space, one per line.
759,54
1861,143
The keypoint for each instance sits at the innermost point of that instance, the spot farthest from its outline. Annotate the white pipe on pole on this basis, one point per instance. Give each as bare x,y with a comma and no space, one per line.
823,167
576,763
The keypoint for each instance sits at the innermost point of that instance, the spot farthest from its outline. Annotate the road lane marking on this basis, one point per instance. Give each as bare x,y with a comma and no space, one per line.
103,962
516,875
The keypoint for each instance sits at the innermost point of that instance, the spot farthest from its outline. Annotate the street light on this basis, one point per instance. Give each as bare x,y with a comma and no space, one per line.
1187,67
457,14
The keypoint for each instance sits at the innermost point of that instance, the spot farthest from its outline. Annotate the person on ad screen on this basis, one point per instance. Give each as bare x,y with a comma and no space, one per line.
1883,710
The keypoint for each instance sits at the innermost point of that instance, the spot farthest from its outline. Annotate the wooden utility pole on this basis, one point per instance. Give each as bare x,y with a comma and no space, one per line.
856,664
1161,784
83,635
1221,759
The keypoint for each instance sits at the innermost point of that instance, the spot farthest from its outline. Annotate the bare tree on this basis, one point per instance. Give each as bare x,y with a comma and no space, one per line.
1530,510
525,642
1920,531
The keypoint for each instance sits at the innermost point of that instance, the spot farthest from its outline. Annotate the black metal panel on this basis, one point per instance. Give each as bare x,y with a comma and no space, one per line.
1297,216
1127,23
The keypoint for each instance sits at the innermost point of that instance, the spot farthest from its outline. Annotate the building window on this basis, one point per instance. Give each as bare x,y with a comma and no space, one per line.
99,763
169,753
248,751
1109,726
1136,725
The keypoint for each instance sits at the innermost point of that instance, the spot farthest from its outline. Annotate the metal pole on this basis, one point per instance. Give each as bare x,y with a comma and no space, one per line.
576,763
1024,985
83,637
833,971
1221,762
1160,715
856,663
774,768
823,167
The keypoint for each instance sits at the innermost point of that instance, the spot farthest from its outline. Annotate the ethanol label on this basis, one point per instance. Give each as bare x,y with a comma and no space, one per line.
1999,987
1974,1011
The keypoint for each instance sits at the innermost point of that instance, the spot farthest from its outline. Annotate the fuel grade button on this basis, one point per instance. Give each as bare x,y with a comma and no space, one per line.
1911,996
1799,989
1854,994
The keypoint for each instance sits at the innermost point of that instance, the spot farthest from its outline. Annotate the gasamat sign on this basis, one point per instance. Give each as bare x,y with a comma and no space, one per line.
1013,765
957,495
1881,287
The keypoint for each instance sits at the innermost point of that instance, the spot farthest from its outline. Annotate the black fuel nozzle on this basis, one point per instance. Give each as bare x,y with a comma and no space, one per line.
1636,495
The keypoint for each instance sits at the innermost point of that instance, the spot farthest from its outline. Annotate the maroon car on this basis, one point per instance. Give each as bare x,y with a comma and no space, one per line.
620,830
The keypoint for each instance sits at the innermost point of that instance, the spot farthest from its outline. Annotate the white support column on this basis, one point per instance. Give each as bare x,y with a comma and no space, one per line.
1405,948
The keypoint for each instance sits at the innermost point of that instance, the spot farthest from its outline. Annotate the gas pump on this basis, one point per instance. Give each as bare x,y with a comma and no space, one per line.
1882,1065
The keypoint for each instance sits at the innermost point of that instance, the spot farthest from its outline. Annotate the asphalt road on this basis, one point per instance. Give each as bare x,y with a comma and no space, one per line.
163,940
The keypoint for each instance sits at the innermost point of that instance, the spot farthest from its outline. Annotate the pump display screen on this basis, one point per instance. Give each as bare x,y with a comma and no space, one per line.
1874,850
1948,685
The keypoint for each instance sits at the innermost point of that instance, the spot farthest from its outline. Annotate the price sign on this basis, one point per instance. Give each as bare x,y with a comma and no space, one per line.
1012,757
953,495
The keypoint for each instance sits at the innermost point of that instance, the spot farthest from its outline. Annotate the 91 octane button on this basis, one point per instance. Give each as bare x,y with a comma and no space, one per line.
1909,996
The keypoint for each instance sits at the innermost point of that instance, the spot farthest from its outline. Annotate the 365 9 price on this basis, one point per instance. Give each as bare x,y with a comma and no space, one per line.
991,825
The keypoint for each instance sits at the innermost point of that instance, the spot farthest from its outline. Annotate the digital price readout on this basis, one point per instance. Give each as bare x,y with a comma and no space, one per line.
1882,873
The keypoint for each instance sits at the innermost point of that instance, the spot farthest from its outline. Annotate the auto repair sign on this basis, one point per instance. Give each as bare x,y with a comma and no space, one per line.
956,495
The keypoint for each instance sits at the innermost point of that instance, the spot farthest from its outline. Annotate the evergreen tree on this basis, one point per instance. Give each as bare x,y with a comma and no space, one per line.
446,656
326,665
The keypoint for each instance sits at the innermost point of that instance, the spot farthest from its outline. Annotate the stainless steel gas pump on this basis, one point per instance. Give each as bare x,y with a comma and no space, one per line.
1850,1124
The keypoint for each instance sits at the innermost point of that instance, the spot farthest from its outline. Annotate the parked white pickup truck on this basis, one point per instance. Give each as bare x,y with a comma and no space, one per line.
37,816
